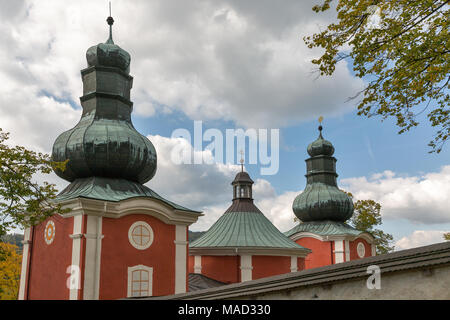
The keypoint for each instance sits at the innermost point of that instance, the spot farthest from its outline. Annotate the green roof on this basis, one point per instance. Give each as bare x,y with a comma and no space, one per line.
109,189
324,228
244,229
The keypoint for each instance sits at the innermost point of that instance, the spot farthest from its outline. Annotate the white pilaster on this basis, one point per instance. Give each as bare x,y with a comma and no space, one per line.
198,264
338,251
24,272
347,250
93,237
294,266
180,258
76,251
374,249
246,268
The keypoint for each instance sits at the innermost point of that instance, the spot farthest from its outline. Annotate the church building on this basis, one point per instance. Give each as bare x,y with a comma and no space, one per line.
243,244
322,209
121,239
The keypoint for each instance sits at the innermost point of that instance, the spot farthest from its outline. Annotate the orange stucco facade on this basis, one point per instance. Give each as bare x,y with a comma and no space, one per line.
47,264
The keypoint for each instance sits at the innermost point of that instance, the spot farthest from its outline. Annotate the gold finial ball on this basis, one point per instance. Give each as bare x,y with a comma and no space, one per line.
320,119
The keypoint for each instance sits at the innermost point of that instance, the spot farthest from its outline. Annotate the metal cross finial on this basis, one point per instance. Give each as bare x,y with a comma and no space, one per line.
110,21
242,160
320,125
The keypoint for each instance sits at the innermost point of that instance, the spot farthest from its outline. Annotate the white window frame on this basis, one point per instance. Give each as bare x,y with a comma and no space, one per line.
130,279
130,235
361,250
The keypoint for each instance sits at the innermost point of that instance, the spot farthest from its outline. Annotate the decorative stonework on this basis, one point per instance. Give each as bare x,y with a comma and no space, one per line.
49,233
140,235
361,250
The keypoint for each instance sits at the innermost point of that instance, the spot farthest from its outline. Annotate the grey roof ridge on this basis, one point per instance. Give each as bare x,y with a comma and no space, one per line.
426,256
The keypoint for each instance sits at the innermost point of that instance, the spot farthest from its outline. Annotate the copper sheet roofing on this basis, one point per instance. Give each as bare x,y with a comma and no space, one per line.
109,189
324,228
244,229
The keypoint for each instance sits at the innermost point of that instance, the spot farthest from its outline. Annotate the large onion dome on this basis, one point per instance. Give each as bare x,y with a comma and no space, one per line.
105,143
322,199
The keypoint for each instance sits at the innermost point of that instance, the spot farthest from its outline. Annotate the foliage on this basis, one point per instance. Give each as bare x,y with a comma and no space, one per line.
365,217
194,235
23,202
15,239
10,265
447,236
402,49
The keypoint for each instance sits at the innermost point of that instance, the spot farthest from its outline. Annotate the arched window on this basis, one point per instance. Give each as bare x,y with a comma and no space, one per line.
140,280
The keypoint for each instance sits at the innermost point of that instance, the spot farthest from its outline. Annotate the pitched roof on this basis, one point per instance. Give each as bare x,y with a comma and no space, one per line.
244,229
111,189
324,228
198,281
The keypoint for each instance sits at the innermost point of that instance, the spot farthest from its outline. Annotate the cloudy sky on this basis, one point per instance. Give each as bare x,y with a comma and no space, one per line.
231,64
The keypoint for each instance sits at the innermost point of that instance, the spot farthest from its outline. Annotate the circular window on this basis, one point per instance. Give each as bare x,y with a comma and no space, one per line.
140,235
49,233
361,250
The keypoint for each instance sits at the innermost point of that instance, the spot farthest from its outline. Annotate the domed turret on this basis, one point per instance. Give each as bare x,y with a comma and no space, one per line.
109,54
321,199
320,146
105,143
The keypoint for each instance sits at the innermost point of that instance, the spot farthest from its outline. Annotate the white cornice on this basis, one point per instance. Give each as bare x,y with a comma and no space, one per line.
122,208
366,236
254,251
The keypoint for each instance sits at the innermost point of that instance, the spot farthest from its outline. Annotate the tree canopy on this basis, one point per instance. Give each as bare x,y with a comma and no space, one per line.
366,216
22,201
401,48
10,263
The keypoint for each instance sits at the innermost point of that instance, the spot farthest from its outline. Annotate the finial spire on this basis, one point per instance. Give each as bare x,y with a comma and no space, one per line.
110,22
242,160
320,125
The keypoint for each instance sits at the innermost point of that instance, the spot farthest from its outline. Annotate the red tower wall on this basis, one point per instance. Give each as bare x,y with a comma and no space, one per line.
266,266
47,277
353,251
222,268
191,262
118,254
321,255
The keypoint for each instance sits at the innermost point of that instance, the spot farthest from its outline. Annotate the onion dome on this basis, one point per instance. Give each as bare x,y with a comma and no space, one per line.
322,199
109,54
105,143
320,146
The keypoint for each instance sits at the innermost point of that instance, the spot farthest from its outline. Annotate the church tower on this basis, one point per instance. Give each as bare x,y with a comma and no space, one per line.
119,238
243,244
322,209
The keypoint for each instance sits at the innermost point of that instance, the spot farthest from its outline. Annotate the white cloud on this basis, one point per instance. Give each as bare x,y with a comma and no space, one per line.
422,199
211,60
196,186
420,238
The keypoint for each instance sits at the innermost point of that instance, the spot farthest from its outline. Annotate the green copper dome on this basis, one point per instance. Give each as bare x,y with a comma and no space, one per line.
109,54
105,143
320,146
322,199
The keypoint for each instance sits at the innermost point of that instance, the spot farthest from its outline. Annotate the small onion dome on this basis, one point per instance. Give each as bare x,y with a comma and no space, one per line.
242,177
320,147
109,54
320,201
